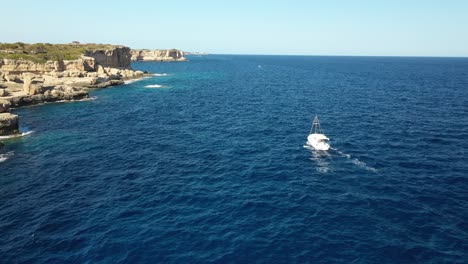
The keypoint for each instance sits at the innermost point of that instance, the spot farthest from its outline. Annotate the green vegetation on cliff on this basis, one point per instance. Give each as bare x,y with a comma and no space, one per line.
42,52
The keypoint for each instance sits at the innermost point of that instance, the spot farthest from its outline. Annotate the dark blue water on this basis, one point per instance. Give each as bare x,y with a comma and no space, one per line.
211,166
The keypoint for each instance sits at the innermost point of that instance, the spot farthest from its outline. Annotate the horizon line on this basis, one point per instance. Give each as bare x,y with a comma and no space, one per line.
255,54
327,55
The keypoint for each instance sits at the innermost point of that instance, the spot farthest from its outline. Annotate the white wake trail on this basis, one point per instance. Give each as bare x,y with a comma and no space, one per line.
355,161
323,166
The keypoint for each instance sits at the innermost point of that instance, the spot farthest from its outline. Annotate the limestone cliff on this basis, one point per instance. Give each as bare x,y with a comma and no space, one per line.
19,66
119,57
95,68
157,55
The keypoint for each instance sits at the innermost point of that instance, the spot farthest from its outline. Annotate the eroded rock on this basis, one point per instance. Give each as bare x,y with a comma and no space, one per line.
4,105
33,84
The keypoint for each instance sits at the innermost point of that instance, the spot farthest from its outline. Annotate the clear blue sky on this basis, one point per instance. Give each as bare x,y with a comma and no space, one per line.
347,27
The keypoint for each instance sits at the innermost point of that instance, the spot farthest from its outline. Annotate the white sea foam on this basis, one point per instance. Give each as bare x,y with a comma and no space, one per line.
323,166
79,100
160,74
17,135
130,81
135,80
154,86
89,98
4,157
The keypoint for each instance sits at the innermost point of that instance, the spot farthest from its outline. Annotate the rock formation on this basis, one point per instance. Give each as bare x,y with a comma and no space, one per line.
157,55
8,121
119,57
95,68
8,124
4,105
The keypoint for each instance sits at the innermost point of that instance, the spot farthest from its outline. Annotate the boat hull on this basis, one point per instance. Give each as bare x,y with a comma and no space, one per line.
317,143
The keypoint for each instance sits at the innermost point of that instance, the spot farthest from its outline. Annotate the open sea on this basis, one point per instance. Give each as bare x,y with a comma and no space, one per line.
204,162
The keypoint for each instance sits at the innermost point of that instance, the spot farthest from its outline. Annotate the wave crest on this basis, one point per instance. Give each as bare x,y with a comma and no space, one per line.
4,157
17,135
154,86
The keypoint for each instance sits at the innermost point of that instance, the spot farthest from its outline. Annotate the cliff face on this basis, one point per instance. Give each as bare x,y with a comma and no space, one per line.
93,68
119,57
20,66
157,55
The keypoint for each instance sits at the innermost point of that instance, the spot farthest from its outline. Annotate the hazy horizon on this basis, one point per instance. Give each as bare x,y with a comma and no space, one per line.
309,28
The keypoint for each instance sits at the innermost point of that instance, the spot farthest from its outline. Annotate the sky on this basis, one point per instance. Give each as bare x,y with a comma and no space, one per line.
333,27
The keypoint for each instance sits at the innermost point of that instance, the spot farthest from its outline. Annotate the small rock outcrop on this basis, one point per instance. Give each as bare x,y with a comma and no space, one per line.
9,124
157,55
4,105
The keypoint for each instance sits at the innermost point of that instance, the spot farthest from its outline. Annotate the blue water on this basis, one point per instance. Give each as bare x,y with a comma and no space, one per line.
211,166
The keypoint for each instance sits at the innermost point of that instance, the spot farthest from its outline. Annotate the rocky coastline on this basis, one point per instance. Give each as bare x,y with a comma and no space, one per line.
26,82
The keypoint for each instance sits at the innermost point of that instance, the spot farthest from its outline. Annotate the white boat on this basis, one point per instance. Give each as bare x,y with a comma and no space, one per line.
316,138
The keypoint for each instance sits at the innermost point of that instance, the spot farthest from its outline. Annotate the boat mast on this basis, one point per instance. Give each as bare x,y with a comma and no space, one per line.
316,127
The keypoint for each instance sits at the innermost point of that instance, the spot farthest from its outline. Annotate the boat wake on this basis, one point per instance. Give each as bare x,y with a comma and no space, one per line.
323,165
355,161
17,135
4,157
320,157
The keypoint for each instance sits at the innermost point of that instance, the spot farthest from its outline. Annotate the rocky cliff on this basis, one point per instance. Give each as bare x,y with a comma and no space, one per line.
157,55
119,57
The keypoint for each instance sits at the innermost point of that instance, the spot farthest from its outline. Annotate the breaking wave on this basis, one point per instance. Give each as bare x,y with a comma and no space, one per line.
79,100
4,157
17,135
134,80
160,74
154,86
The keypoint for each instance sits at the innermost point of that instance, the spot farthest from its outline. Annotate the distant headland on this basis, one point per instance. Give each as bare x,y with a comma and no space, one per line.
44,72
157,55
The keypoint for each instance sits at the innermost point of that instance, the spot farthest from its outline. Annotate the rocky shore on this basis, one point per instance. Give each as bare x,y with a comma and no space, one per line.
157,55
26,82
9,123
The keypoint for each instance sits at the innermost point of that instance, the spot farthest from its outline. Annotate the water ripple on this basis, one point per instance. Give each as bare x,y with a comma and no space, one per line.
213,169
